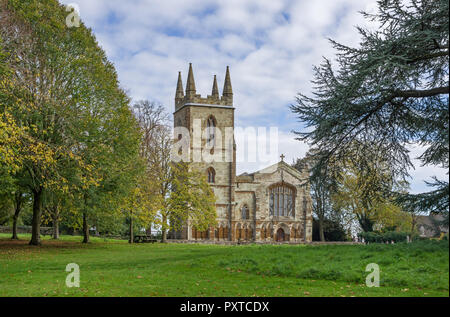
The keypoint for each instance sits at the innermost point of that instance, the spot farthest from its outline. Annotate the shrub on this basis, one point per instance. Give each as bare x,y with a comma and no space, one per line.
383,237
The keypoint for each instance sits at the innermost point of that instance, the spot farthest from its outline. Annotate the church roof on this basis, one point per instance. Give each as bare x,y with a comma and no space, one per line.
244,177
280,165
272,169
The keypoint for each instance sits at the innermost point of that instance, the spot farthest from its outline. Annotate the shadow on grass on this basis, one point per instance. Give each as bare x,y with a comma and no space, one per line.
23,244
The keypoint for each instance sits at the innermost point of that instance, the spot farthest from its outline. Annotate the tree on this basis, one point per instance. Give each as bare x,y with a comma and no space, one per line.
191,199
142,203
10,132
182,193
152,118
389,92
44,95
11,136
80,132
391,217
154,124
20,198
54,202
113,152
365,191
434,202
333,230
322,186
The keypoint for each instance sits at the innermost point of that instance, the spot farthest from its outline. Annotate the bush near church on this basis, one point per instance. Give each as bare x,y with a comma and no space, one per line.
383,237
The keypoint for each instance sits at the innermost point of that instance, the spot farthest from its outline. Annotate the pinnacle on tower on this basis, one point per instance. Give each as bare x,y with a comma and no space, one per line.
227,90
215,90
190,86
179,95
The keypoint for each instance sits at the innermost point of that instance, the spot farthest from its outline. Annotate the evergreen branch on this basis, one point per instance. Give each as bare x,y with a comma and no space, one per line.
422,93
429,56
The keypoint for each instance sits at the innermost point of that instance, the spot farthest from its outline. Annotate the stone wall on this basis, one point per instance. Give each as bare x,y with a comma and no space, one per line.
224,242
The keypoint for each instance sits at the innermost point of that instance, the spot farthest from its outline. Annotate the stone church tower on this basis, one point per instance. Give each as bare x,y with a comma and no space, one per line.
273,204
216,113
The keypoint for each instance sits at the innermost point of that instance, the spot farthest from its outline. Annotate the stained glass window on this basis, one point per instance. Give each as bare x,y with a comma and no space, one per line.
281,201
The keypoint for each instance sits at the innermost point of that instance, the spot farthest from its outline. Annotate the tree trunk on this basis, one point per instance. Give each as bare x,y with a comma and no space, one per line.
36,222
321,233
413,223
16,216
55,227
164,230
85,228
148,231
164,236
14,228
366,224
131,228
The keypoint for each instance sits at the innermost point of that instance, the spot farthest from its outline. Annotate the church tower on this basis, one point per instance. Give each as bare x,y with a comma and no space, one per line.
212,150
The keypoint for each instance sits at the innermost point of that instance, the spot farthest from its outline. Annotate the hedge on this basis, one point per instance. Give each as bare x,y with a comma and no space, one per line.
383,237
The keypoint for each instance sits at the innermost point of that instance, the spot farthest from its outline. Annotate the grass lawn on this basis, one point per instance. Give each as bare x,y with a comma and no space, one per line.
115,268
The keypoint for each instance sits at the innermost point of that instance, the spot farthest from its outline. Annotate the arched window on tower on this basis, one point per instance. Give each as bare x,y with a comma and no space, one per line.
245,212
211,175
211,131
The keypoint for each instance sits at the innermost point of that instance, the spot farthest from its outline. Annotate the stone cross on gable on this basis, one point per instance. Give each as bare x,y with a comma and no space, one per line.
282,157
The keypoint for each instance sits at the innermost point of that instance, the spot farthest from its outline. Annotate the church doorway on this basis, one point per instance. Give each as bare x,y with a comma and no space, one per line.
280,235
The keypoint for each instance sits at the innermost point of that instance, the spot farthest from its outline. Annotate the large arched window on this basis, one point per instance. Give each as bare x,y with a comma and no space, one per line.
211,131
211,175
245,212
281,200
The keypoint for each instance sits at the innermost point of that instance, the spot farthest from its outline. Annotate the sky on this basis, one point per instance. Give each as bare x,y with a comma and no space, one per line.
270,46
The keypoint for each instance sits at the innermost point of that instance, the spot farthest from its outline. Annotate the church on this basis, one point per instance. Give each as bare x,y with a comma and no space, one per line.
270,205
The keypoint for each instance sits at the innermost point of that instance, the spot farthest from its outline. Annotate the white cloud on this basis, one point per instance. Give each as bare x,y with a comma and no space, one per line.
284,144
419,174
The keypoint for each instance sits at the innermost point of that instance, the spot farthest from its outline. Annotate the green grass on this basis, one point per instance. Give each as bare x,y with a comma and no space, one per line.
115,268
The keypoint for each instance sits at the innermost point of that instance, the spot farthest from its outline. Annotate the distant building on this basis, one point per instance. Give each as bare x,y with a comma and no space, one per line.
430,226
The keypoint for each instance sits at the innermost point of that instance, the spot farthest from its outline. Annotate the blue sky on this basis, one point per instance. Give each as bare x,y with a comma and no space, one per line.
270,46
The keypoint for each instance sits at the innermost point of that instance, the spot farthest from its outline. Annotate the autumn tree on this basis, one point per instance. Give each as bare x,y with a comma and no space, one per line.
154,125
367,191
191,199
142,204
81,133
53,204
11,137
181,193
39,104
